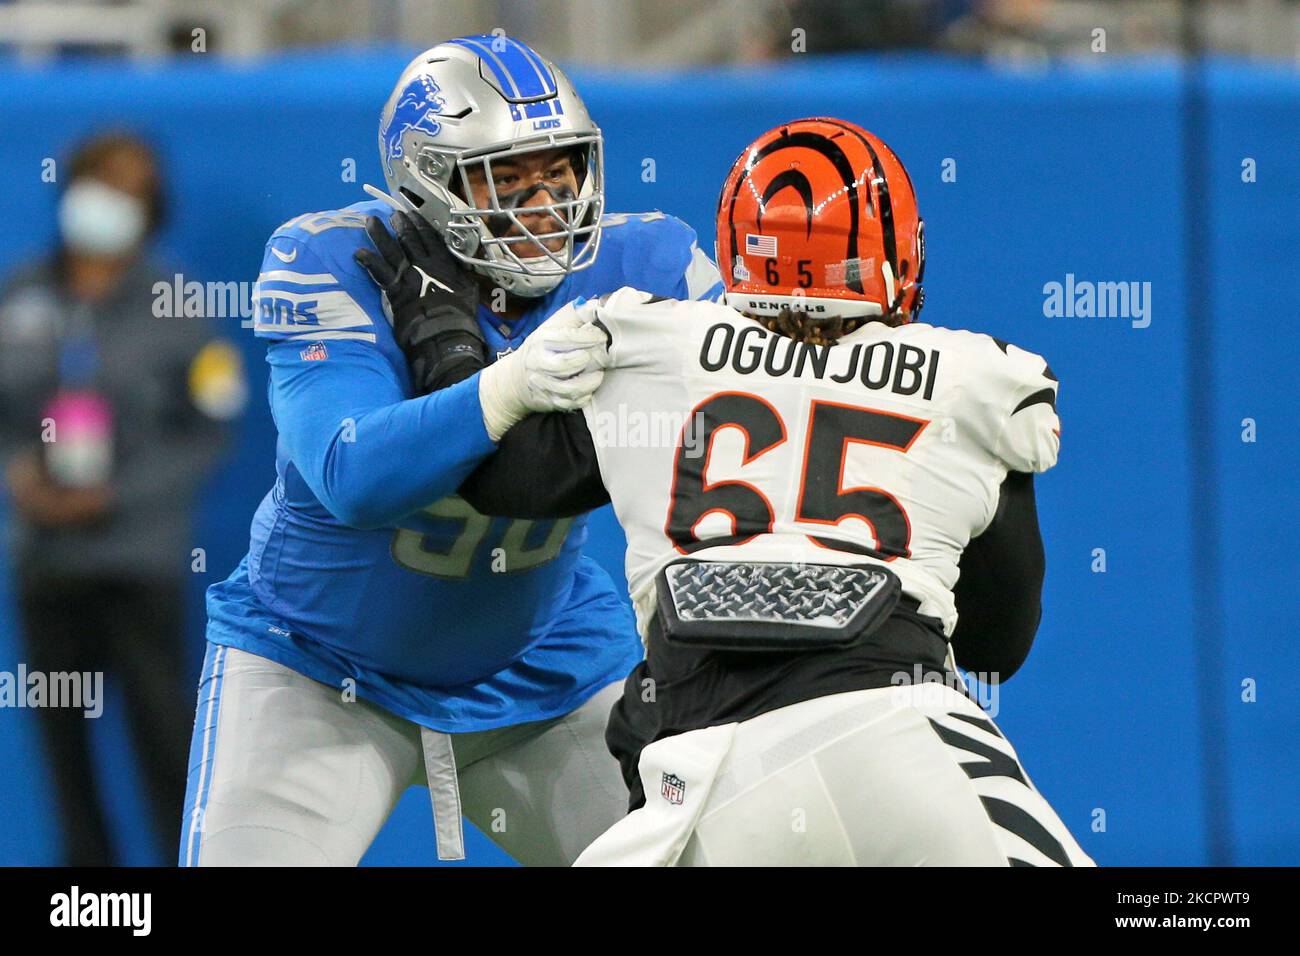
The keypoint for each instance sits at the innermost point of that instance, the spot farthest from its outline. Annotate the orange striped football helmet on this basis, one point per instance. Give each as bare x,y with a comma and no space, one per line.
819,216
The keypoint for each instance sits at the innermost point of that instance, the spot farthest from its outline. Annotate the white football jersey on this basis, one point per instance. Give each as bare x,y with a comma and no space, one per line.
719,439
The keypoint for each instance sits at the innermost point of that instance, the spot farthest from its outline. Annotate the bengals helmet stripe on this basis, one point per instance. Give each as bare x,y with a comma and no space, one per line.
882,190
791,177
829,223
821,144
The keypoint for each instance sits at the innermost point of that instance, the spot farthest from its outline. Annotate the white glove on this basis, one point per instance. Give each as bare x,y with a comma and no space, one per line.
555,370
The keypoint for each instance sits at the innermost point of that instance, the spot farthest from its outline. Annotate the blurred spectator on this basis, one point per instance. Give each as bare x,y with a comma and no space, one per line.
110,417
837,26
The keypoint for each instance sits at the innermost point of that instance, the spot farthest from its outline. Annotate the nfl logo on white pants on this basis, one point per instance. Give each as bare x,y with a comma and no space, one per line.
897,776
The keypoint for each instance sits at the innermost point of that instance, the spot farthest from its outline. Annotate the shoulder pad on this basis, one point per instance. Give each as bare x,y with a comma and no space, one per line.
309,285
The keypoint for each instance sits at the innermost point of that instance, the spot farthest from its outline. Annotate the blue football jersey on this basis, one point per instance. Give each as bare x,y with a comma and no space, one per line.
363,565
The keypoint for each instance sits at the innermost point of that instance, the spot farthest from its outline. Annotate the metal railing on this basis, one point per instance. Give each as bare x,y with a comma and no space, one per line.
644,33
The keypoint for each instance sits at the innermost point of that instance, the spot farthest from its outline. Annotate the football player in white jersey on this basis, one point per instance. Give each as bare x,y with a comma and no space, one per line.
829,506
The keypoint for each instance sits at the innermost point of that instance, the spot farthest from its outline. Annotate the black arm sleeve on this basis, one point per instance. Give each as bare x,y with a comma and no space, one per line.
544,467
999,593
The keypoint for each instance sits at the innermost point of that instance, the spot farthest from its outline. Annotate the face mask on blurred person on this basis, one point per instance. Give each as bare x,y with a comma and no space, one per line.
96,219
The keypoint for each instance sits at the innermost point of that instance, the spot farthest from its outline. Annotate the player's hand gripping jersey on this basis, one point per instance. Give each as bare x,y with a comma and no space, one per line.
363,563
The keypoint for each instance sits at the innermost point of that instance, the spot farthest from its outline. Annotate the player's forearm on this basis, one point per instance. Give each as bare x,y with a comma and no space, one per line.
545,467
999,593
388,462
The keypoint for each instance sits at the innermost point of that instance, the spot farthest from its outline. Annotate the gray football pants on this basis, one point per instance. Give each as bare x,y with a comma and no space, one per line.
294,775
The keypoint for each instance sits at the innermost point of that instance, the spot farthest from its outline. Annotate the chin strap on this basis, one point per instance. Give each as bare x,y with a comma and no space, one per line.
896,297
401,205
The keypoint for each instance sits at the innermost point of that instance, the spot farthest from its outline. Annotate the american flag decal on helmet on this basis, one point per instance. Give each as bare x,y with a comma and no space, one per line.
673,788
759,245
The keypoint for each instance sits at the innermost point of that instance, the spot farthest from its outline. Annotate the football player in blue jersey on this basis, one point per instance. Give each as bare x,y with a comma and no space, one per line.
380,631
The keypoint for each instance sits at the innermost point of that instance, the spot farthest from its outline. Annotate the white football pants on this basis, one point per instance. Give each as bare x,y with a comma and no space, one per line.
899,776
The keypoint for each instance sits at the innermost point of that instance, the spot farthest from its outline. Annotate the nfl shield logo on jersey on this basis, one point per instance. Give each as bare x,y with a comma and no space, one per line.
673,788
316,352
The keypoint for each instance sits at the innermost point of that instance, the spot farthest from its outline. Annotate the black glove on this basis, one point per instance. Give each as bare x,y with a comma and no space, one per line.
433,298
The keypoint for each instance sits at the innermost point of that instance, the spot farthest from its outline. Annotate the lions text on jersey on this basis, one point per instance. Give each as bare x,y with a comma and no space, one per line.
363,565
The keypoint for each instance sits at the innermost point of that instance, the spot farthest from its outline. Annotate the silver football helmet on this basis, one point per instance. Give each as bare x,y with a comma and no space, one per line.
472,102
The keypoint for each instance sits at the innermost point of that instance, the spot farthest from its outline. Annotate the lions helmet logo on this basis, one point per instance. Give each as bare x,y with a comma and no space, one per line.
417,108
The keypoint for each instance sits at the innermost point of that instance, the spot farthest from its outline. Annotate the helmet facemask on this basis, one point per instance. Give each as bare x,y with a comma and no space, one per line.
487,234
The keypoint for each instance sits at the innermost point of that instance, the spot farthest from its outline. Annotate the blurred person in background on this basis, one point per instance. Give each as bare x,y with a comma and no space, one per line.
840,26
110,418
